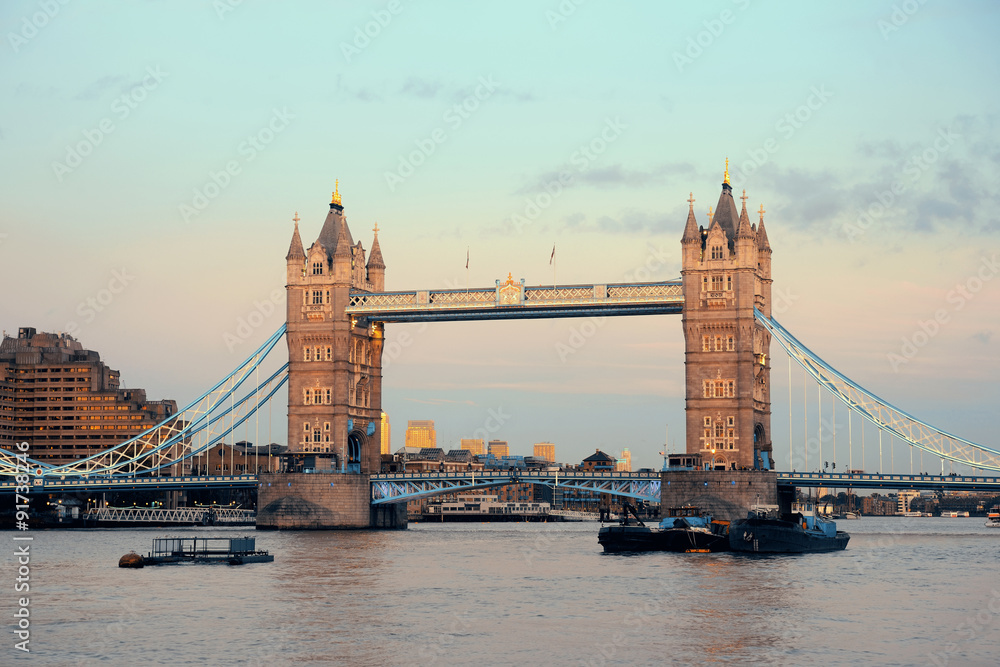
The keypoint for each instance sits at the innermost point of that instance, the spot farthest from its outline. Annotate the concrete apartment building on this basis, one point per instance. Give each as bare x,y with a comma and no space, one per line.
66,402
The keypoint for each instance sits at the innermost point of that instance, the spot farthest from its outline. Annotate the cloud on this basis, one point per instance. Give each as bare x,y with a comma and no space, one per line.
420,88
612,176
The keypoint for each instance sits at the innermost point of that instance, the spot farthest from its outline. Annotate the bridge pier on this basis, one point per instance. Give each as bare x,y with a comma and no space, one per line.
321,501
725,494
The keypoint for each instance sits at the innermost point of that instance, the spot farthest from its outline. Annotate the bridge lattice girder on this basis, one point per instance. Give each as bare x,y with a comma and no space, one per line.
402,487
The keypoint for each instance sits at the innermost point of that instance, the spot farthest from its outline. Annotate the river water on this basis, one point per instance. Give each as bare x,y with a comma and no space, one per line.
906,591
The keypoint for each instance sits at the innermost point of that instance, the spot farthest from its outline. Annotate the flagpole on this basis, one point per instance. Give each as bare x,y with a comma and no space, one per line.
467,270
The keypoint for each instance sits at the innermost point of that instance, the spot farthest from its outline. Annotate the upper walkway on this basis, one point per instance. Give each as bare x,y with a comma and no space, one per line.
514,300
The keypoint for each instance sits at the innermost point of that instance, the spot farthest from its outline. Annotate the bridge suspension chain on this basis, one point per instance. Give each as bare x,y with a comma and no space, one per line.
172,440
904,426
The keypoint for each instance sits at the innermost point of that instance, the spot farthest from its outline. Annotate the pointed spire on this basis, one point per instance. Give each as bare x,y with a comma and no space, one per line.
725,176
295,250
744,231
762,242
691,227
344,241
335,220
375,260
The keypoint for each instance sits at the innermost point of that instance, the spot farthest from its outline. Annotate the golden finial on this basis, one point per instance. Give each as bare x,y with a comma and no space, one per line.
375,229
709,215
296,218
762,212
691,200
725,178
336,192
744,197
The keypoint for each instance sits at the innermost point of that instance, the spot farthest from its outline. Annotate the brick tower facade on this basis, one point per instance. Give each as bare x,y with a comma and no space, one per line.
726,271
335,362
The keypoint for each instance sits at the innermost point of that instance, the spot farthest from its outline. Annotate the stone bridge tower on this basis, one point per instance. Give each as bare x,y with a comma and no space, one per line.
335,363
726,271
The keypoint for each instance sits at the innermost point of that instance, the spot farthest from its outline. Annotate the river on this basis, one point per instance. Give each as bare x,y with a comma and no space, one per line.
906,591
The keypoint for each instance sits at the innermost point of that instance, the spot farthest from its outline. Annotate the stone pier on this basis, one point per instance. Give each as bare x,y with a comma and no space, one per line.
725,494
322,501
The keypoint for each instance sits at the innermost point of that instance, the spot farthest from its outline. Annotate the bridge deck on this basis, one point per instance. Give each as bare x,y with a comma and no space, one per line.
515,300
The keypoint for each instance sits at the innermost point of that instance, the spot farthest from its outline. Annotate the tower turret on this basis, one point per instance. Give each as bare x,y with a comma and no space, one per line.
376,265
296,257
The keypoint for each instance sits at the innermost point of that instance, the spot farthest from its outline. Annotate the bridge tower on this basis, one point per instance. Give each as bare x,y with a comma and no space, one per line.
726,271
335,362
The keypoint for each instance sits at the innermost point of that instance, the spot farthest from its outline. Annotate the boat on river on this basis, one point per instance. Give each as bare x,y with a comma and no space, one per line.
683,530
766,530
993,517
232,550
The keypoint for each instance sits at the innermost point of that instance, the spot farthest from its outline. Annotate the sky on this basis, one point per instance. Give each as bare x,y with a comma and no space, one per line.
154,155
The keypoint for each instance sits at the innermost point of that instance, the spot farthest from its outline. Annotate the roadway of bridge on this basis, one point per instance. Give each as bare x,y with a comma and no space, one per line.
432,483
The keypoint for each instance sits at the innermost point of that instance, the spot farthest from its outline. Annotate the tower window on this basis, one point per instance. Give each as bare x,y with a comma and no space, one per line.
731,389
718,429
307,354
308,396
328,296
729,283
329,353
716,283
708,421
731,421
704,283
318,298
706,343
317,268
328,396
717,252
730,343
718,343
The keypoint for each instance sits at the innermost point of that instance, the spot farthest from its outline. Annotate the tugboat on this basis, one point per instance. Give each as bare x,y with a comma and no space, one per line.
766,531
684,530
993,517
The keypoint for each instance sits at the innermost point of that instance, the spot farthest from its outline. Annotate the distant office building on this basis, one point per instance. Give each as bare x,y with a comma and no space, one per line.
624,462
499,448
903,500
421,433
386,437
475,445
64,401
545,450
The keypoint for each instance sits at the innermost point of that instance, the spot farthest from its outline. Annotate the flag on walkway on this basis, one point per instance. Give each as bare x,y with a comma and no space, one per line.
553,255
466,258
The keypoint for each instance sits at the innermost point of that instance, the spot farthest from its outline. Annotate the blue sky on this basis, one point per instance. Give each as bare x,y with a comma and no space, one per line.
159,151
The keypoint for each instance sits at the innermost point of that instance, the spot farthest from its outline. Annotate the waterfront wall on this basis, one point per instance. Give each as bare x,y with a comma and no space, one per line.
321,501
725,494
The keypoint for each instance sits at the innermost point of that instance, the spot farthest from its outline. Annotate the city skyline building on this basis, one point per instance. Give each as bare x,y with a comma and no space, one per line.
420,433
64,401
624,462
499,448
475,445
386,434
545,450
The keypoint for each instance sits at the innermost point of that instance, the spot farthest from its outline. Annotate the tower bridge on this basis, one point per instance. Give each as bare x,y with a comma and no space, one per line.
337,310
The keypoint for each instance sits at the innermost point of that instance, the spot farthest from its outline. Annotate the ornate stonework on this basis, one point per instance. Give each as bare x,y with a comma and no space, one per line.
726,271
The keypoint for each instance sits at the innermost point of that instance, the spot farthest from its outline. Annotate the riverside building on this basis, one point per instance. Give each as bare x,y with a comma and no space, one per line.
64,401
